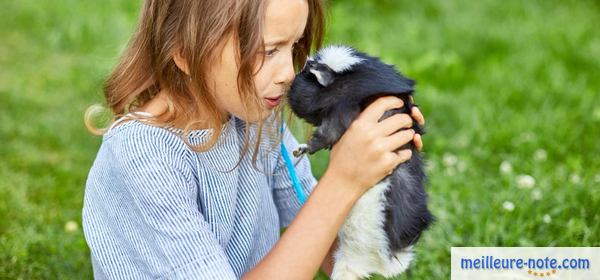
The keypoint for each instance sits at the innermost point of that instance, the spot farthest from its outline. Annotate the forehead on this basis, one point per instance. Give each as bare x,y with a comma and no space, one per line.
285,19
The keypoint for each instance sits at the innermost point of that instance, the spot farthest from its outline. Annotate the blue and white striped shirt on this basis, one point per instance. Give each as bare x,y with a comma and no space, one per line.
154,208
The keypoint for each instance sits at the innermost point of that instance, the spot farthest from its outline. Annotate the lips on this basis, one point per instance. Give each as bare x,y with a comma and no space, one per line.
272,102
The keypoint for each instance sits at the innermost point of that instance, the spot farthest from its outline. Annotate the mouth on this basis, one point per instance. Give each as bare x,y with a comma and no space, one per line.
272,102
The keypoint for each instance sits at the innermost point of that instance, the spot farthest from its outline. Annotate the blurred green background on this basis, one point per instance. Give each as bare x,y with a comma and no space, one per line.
510,91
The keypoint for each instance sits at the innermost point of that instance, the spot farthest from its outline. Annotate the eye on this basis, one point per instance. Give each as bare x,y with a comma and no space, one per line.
272,52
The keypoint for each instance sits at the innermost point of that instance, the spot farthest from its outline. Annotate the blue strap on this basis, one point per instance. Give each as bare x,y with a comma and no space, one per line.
290,166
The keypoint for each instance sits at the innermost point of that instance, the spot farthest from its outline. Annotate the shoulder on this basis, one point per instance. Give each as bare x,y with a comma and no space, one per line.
139,144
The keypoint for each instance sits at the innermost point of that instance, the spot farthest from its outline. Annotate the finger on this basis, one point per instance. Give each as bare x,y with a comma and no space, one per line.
395,123
375,110
416,114
398,139
403,155
418,141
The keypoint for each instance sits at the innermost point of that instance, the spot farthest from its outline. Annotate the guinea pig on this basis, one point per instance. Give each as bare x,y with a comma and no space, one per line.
378,235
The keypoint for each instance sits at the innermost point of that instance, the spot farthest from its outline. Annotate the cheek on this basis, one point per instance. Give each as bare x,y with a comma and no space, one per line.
262,80
224,73
225,87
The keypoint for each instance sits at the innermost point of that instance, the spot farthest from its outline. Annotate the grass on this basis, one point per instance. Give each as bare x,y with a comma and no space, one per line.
511,83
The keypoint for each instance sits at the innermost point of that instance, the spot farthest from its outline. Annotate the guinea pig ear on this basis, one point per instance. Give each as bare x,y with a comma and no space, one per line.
325,78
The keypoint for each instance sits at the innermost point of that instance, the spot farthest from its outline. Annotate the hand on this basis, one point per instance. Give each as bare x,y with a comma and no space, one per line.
364,155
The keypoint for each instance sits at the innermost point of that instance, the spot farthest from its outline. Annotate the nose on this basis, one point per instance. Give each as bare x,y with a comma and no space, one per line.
309,63
286,74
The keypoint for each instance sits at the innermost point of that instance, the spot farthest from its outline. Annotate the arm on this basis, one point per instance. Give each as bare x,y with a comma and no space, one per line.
327,265
308,239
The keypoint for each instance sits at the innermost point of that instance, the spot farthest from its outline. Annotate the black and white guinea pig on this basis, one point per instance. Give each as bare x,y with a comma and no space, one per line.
334,86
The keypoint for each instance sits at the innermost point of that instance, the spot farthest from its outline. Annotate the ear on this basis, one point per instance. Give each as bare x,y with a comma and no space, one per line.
325,78
181,62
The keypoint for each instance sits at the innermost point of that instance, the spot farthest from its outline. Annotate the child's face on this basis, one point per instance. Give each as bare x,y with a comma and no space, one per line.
284,24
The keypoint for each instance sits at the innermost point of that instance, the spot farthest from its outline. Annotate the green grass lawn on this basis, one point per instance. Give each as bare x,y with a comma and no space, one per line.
510,90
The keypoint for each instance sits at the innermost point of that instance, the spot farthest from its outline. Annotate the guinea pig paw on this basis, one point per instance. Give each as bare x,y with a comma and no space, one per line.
302,149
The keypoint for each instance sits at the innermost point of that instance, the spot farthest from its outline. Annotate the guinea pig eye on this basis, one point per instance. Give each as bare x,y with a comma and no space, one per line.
310,74
306,72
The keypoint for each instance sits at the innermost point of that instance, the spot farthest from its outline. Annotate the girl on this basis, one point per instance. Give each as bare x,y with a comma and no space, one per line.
171,193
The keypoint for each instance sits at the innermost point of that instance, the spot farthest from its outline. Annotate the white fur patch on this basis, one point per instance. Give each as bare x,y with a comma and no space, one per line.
338,58
363,248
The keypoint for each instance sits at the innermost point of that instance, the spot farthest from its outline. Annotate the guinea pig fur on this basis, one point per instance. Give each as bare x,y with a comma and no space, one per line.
378,235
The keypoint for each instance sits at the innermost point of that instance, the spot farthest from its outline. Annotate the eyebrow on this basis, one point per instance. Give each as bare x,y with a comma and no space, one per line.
278,42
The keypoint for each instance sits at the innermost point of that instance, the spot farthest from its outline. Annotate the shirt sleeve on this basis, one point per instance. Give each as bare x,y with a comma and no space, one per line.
148,220
284,194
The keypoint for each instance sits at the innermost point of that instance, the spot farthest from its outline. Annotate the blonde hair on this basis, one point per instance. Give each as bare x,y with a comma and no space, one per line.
198,29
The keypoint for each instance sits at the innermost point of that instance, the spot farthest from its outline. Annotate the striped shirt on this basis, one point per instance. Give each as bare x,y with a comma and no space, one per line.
154,208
